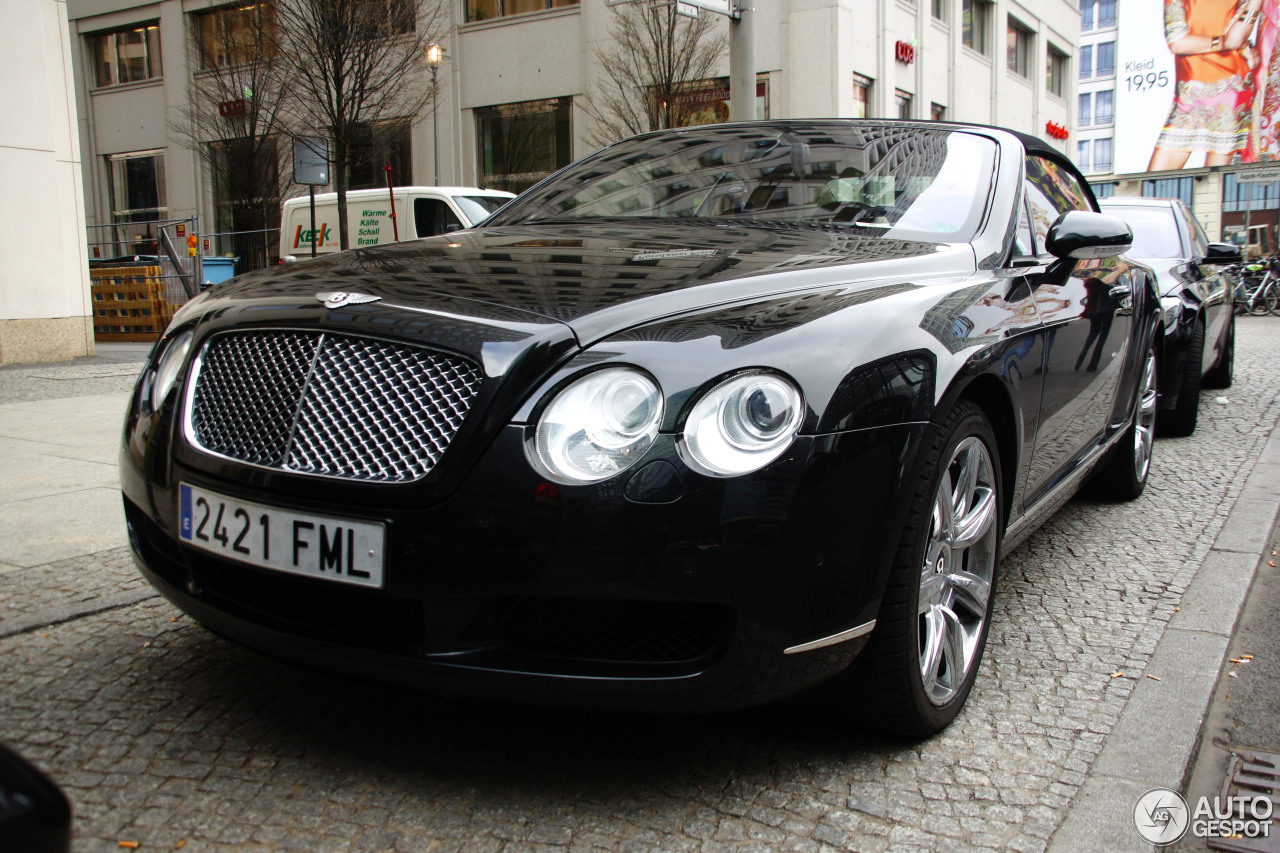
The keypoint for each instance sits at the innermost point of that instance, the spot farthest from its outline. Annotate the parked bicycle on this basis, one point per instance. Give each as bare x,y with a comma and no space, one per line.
1258,290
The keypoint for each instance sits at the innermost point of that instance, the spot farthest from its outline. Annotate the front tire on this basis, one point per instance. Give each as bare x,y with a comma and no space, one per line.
1181,421
923,657
1222,373
1124,473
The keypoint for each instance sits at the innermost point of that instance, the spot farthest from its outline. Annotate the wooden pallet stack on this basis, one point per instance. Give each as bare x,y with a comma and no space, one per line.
129,303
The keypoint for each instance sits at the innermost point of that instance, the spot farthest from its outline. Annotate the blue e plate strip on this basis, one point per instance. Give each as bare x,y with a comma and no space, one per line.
184,513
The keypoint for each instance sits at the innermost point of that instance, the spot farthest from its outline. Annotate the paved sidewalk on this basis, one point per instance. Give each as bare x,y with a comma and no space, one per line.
162,733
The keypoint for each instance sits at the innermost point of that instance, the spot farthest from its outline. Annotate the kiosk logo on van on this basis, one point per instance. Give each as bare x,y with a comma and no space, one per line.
308,237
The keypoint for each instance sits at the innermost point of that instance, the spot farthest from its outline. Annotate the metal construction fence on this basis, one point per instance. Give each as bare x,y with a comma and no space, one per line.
159,244
142,272
253,250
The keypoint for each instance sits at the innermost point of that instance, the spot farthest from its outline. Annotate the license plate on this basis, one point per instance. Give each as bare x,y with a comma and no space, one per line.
318,546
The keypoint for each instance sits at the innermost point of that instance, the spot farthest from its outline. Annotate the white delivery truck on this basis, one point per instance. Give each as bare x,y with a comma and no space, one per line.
420,212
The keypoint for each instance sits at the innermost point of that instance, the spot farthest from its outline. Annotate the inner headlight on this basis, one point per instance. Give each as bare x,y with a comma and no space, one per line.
742,424
168,367
598,426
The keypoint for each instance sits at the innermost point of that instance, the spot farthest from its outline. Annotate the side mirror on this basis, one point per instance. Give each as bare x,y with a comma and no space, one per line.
1221,253
451,227
1083,235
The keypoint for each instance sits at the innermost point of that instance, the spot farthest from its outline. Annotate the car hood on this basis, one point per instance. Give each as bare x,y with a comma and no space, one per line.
598,279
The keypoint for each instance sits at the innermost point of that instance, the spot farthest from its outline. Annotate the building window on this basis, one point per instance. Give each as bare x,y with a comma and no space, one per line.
861,95
902,103
1084,109
484,10
1106,13
1102,155
246,184
126,56
1106,190
1104,107
1086,61
137,186
520,144
937,112
939,9
234,35
977,24
1018,51
1106,59
1100,14
1082,155
1170,188
376,146
1055,72
1238,195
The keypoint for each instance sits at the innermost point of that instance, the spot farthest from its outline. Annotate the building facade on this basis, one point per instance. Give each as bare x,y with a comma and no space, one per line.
45,312
516,69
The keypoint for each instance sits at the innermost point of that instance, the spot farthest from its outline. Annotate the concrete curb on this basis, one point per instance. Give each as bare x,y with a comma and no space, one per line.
1158,733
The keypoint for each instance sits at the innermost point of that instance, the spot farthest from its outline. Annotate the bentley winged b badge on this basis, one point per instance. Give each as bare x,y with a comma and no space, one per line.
339,298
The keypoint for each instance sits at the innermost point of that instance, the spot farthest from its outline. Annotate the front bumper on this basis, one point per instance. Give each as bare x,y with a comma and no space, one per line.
634,593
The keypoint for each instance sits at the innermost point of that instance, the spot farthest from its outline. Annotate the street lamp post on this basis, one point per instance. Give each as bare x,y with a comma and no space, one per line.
435,56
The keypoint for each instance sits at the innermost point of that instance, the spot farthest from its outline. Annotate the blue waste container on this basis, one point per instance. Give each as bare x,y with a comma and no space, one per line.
218,270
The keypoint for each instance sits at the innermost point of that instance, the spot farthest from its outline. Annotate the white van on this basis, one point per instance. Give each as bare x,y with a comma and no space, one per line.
420,212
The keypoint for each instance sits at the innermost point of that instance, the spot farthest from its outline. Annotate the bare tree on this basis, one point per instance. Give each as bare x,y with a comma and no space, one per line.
354,65
648,70
233,118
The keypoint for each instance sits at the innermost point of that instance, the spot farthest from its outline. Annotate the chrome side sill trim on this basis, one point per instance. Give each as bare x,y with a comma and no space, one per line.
852,633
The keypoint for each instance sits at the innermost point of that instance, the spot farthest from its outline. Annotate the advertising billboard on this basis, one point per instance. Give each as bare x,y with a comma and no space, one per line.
1191,84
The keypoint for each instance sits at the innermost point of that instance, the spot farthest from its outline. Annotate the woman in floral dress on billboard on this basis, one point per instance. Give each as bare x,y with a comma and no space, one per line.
1265,144
1213,101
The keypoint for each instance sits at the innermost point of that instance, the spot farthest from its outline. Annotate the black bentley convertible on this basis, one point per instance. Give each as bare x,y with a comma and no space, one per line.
709,418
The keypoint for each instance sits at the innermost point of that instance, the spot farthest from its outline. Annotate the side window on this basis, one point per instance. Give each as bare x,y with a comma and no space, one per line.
1051,191
431,216
1199,240
1023,245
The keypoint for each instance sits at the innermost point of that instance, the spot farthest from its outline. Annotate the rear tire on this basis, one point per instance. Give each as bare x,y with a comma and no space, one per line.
923,657
1124,472
1181,421
1222,373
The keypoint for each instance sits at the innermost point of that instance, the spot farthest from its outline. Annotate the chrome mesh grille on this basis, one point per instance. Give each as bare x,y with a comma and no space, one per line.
335,405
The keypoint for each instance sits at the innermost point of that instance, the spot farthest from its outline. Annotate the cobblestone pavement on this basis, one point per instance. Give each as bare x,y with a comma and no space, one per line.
164,734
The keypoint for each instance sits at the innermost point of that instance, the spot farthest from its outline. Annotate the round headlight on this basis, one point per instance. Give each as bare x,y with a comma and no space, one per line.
168,366
742,424
597,427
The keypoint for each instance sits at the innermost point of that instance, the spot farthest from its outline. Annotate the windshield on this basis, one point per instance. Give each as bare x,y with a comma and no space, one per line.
1155,231
478,207
895,181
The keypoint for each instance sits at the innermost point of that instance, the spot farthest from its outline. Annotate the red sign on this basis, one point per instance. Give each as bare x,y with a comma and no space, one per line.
905,52
1056,130
238,107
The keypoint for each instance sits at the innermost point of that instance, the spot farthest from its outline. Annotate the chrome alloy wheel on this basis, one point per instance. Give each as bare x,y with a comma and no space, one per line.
1144,426
959,566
